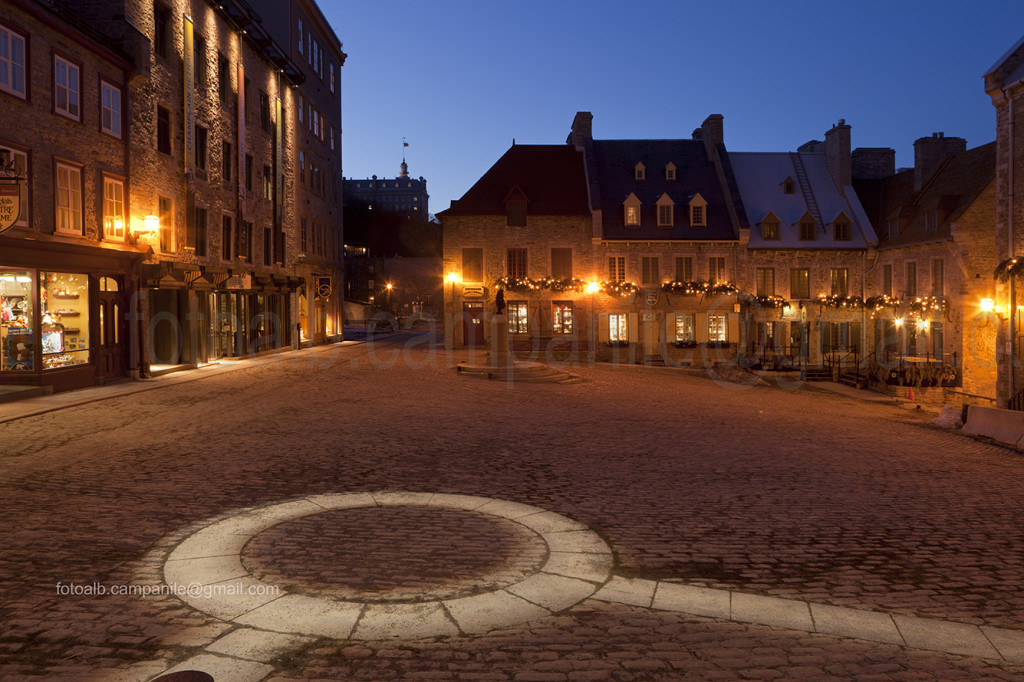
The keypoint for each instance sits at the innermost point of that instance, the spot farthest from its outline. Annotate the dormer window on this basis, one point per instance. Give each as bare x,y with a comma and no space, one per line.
770,228
639,172
807,230
666,211
931,221
788,186
670,171
631,211
698,212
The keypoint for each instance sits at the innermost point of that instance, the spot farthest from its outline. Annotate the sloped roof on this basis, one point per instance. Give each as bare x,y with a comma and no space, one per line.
611,166
551,176
951,190
760,176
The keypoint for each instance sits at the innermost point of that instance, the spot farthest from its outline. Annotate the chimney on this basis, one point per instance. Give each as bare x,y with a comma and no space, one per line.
582,129
873,163
713,132
837,154
930,152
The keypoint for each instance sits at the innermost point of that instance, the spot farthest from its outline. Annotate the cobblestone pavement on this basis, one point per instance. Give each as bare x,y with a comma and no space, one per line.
790,493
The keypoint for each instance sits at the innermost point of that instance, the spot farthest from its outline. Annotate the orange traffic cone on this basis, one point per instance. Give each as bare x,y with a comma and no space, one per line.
910,394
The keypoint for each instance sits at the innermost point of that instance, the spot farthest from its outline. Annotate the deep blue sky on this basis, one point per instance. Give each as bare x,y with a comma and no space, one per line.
461,78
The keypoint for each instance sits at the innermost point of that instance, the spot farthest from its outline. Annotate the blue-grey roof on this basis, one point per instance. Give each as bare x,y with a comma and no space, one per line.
610,167
761,178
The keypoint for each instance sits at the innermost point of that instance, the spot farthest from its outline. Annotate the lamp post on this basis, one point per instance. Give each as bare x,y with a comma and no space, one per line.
592,288
452,278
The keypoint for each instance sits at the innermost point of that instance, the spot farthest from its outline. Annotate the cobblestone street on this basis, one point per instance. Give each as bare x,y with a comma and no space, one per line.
798,494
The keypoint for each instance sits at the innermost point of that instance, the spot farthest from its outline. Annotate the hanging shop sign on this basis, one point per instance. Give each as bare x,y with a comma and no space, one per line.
10,204
473,292
324,287
651,297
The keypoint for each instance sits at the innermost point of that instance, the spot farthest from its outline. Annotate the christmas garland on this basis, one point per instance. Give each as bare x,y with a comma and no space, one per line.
699,287
524,284
928,304
836,301
1011,267
619,288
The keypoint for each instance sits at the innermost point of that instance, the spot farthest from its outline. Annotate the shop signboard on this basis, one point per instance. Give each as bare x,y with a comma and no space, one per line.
19,348
323,287
10,204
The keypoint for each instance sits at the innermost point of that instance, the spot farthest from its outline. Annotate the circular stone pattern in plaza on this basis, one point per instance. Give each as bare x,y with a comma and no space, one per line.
388,565
408,553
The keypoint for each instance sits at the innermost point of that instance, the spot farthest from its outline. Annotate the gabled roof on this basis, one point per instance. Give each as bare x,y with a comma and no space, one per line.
761,178
950,191
551,176
610,164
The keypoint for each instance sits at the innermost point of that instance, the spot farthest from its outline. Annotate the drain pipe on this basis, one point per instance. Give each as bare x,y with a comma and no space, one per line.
1012,312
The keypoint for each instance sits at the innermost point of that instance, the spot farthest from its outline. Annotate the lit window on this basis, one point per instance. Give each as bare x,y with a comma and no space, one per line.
718,328
166,215
633,215
110,108
561,317
770,230
12,62
839,277
66,88
684,328
800,283
716,269
618,328
113,209
69,199
518,318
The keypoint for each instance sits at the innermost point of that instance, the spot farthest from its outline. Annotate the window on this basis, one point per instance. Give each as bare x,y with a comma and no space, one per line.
561,263
515,212
807,231
561,317
800,283
302,108
162,32
247,103
223,78
697,216
113,209
303,235
893,226
248,172
265,112
936,332
268,246
163,130
633,216
616,268
770,230
684,328
473,265
301,36
20,160
165,211
841,231
684,268
716,269
110,109
516,263
268,184
937,277
665,215
911,287
887,280
245,241
199,232
227,235
12,62
518,318
840,279
788,186
649,271
226,161
618,328
931,221
718,328
302,166
670,171
69,199
200,148
64,299
766,281
639,172
199,59
66,88
331,67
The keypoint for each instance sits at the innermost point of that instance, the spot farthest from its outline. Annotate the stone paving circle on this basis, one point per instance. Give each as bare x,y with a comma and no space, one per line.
206,571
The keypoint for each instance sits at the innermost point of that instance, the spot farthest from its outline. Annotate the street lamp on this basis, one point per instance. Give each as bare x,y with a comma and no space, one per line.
592,289
389,286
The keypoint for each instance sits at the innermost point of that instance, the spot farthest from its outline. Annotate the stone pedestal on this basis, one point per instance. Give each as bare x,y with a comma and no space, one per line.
500,357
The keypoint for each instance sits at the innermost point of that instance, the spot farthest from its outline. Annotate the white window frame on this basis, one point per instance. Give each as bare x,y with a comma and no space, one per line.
69,199
110,110
113,209
71,87
518,317
718,328
618,327
9,66
685,328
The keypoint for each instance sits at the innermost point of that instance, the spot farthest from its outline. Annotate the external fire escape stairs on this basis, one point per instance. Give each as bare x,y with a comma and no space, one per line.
805,187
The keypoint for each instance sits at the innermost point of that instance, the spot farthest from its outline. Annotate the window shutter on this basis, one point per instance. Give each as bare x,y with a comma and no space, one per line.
700,327
733,321
634,328
855,336
602,328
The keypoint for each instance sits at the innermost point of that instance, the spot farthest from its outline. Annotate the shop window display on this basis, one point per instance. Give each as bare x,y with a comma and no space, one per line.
17,321
64,332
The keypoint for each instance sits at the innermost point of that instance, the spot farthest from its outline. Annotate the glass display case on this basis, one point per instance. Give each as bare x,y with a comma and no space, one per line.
17,321
64,303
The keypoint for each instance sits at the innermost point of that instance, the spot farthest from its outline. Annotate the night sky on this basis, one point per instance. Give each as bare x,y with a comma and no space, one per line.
460,79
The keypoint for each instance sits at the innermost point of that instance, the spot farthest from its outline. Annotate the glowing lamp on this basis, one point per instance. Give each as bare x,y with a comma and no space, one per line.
453,277
987,305
898,321
592,287
922,325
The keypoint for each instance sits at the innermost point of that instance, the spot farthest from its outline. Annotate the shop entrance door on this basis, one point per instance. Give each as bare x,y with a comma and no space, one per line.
111,353
473,324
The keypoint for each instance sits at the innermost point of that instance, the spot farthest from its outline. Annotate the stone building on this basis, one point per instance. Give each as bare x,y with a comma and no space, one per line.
934,263
69,260
1004,83
216,136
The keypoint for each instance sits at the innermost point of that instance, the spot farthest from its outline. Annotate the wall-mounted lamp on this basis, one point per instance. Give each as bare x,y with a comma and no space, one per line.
150,225
453,278
987,305
593,287
898,322
922,325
